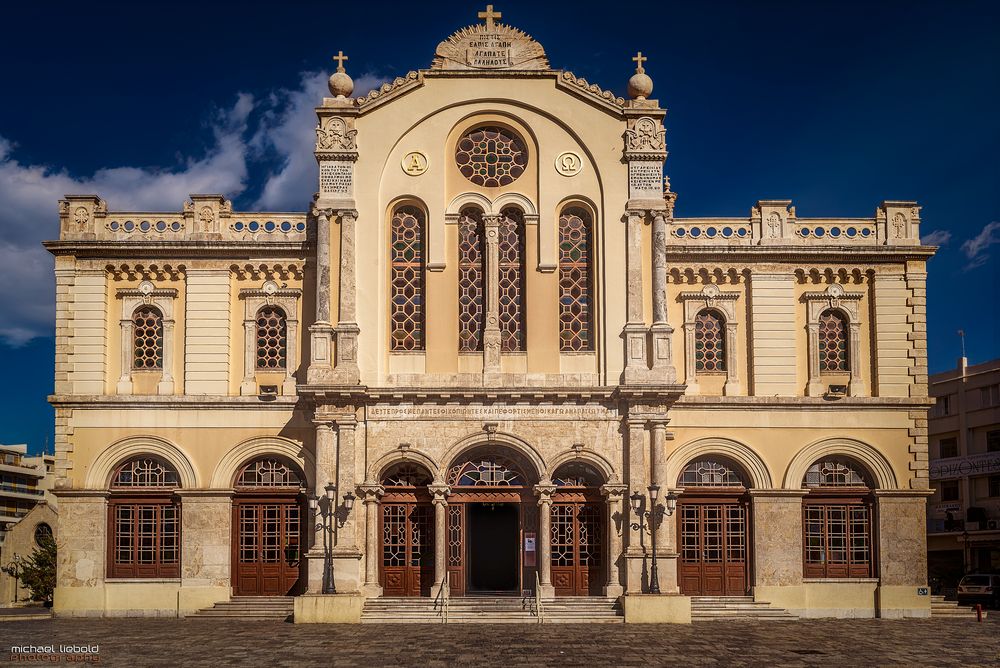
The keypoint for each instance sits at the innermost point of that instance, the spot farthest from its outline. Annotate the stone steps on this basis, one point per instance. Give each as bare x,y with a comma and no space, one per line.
942,608
492,610
277,608
710,608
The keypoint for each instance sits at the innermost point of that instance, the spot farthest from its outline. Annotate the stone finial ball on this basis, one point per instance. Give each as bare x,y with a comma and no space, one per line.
341,85
640,86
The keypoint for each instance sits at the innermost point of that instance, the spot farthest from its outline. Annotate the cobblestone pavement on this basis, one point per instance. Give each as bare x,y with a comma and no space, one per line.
152,642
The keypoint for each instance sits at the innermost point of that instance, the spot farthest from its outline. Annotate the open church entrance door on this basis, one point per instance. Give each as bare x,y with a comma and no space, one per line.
493,547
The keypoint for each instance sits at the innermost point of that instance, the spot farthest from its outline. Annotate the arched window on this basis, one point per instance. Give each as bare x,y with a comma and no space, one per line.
711,472
487,471
272,339
512,274
269,472
837,520
147,339
833,353
471,297
709,342
575,306
406,262
144,519
43,533
577,474
406,474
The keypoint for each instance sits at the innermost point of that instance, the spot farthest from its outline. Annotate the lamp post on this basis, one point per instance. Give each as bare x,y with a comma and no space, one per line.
655,516
325,512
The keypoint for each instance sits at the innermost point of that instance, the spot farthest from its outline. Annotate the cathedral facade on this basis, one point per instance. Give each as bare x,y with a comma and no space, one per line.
489,359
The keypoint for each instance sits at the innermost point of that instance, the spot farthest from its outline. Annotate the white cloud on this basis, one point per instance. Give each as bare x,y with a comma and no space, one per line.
283,135
976,249
936,238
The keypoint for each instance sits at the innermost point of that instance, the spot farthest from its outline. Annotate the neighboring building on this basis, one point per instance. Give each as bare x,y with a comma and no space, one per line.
963,516
490,329
22,539
25,483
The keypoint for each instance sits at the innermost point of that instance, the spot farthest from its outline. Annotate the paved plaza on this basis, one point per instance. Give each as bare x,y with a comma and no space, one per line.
151,642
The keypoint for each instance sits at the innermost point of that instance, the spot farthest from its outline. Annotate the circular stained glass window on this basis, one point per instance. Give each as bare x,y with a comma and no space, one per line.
491,156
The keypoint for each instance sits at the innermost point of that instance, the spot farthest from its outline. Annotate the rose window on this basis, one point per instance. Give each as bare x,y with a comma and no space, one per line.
491,157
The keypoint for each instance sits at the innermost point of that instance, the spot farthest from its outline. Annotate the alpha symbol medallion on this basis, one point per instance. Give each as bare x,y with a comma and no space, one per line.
414,163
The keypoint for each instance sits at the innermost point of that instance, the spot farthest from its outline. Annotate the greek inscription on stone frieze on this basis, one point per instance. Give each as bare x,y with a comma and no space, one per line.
490,412
336,178
645,179
488,52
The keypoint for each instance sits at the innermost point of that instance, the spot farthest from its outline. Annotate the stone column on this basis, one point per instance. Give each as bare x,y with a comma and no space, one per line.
657,476
321,333
346,441
347,326
166,384
206,548
125,379
636,472
544,492
617,521
325,465
776,523
901,538
634,334
663,370
491,332
372,493
440,502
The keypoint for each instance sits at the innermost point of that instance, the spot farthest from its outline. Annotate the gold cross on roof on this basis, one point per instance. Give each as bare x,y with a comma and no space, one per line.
639,60
490,15
340,58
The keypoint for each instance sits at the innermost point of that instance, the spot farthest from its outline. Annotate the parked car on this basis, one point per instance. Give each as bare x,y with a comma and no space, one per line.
979,588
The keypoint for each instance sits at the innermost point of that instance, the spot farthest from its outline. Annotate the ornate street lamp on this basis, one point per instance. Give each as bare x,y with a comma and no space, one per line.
325,512
655,516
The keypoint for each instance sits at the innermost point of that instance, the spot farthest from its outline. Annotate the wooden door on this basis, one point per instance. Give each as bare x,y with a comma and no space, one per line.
577,548
713,549
267,548
456,549
407,549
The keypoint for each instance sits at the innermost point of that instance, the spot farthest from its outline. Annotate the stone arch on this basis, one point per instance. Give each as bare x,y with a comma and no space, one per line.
242,453
466,199
877,465
517,200
477,440
99,475
379,468
598,462
744,455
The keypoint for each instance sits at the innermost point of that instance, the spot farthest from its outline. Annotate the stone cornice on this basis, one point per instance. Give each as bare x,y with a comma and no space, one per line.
846,403
798,255
214,249
147,402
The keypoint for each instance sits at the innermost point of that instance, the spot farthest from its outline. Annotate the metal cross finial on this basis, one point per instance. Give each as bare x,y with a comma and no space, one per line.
490,15
639,60
340,58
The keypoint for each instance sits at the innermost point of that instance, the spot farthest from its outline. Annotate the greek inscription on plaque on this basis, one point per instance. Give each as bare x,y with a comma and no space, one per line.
490,412
336,178
488,52
645,179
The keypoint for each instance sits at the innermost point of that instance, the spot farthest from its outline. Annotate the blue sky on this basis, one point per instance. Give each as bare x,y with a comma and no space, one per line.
835,105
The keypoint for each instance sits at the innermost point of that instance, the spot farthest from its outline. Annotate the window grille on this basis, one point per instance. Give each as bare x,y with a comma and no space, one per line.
709,342
575,307
147,339
407,279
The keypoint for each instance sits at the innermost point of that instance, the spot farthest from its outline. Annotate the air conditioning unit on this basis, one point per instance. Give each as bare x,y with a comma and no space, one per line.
993,525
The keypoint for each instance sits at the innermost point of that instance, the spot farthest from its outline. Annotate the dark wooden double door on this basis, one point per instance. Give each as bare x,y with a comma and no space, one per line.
713,537
577,548
267,546
407,548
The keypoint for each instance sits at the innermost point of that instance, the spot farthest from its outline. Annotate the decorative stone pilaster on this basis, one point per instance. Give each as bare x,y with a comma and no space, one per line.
322,542
346,370
637,482
616,522
206,548
320,369
777,546
440,502
544,492
372,493
634,334
491,331
660,331
347,445
658,474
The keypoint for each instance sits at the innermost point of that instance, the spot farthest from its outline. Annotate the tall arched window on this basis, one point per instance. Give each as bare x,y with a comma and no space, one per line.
406,262
147,339
575,306
512,289
837,520
144,520
272,339
471,295
833,353
709,341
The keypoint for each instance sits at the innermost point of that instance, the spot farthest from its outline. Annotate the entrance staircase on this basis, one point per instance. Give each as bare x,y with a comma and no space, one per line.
278,608
951,609
711,608
492,610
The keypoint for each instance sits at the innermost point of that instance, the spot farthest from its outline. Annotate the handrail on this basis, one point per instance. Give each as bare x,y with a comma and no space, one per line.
538,598
444,595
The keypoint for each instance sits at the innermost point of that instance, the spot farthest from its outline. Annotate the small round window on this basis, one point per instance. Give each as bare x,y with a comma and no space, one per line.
43,532
491,157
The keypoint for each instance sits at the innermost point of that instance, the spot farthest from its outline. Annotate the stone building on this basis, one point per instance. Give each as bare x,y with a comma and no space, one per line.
486,338
963,515
26,509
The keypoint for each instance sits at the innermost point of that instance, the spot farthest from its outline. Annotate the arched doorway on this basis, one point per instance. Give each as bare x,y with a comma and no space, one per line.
406,525
837,536
713,528
578,531
268,529
492,522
